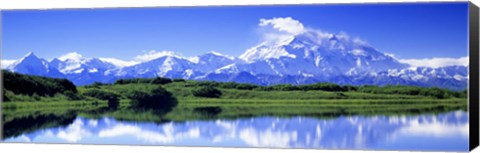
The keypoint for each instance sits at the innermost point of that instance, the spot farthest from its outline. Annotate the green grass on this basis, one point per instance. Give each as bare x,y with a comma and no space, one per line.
232,108
181,90
235,108
253,102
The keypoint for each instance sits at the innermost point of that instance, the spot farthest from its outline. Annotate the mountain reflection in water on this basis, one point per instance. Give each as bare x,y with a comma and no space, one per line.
446,132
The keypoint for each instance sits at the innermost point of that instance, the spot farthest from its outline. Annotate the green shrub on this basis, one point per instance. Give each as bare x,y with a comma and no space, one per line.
207,83
207,91
245,86
157,99
435,92
113,102
323,86
110,97
96,85
4,96
413,90
240,86
178,80
120,81
100,94
157,80
160,80
228,85
285,87
72,96
209,111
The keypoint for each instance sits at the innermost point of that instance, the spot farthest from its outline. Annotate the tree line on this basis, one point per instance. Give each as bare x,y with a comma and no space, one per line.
156,80
389,89
36,85
211,91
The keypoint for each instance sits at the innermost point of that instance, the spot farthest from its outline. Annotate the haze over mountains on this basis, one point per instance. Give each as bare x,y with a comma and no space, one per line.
294,57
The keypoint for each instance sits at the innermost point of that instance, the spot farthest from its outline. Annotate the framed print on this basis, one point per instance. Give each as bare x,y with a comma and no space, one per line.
371,76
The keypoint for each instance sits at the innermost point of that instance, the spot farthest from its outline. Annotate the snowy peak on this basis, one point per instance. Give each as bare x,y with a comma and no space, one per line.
268,50
316,53
164,66
211,61
217,54
30,54
31,64
75,63
29,59
264,51
214,57
305,45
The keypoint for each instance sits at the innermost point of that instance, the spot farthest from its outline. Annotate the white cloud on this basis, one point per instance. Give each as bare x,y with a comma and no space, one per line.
278,30
72,56
93,123
436,129
118,62
287,24
169,135
5,63
281,30
436,62
268,138
74,132
359,41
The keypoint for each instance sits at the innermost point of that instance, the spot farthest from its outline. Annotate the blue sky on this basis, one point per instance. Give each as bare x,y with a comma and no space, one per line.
421,30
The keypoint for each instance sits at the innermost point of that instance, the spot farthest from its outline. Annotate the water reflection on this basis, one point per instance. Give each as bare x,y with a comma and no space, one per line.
447,131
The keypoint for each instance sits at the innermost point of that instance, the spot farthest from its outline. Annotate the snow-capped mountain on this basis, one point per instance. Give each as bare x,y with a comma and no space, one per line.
212,61
165,66
76,63
31,64
82,70
175,66
451,77
313,54
308,57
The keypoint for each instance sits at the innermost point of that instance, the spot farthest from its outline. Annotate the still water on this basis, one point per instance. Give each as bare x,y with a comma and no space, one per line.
429,132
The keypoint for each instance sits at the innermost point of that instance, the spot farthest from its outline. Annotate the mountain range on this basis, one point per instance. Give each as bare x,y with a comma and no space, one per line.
305,58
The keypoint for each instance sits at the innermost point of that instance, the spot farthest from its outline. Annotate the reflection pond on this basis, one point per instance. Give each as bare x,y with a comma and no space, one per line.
446,131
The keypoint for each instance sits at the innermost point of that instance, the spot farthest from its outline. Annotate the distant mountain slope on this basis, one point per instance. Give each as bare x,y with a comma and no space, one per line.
31,64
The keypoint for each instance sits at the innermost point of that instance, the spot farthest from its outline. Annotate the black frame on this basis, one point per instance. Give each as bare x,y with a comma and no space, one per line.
473,93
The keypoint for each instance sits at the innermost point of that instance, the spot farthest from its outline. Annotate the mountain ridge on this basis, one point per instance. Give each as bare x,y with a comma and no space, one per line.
304,58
